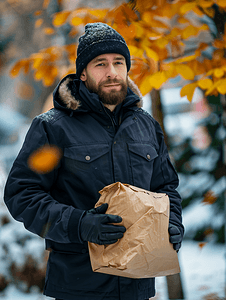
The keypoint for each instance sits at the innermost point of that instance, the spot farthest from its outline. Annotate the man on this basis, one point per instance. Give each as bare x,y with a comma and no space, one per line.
105,137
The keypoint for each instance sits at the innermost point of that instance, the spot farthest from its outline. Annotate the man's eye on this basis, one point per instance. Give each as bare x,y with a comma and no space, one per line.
100,65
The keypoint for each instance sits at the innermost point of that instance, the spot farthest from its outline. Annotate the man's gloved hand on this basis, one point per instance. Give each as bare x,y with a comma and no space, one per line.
95,226
175,236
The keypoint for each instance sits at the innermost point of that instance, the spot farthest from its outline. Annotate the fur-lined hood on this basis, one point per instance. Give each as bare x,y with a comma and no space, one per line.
66,95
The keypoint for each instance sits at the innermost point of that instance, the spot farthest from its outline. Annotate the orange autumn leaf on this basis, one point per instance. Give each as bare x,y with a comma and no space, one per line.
45,159
60,18
205,3
209,198
20,64
202,244
76,21
38,23
188,91
49,31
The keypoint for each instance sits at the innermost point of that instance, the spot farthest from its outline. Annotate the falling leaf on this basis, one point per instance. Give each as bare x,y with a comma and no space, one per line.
186,72
45,159
202,244
209,198
60,18
188,91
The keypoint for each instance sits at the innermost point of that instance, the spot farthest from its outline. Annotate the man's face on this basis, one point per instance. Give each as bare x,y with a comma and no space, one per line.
106,75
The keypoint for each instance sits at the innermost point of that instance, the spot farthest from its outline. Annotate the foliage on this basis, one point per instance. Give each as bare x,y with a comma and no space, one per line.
157,33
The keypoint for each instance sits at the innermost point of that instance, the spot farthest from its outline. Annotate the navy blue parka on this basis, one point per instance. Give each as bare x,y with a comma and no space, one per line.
98,147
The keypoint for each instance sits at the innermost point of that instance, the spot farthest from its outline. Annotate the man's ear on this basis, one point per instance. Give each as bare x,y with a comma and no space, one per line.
83,75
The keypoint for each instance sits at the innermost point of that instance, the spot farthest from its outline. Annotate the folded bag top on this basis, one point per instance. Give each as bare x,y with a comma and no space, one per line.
145,250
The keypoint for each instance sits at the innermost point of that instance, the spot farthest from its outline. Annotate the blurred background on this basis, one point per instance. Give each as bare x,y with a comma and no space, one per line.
179,63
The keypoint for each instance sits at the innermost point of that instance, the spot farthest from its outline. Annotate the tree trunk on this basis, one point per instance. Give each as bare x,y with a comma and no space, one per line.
174,284
157,112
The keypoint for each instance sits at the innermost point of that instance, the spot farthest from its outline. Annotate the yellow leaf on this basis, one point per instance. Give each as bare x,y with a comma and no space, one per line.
76,21
205,83
48,80
145,86
134,51
222,87
189,31
38,23
151,54
49,31
99,13
187,7
60,18
158,79
161,43
186,59
205,3
218,73
188,91
185,72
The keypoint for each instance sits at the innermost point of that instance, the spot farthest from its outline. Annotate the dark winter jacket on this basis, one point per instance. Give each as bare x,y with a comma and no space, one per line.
99,147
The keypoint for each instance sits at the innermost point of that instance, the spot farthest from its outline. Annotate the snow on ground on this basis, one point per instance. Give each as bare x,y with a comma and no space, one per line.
202,273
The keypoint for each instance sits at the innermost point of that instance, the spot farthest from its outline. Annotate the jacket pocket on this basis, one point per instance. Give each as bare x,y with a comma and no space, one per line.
141,162
86,157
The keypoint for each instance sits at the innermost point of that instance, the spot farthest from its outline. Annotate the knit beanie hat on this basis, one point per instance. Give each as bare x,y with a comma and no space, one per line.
99,38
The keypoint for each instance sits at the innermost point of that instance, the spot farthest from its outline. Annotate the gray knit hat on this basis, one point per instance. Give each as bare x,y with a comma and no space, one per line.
99,38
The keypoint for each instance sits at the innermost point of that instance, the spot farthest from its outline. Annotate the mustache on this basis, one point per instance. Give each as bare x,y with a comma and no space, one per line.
110,81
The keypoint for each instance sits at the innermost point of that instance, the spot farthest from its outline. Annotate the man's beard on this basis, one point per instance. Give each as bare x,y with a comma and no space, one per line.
113,97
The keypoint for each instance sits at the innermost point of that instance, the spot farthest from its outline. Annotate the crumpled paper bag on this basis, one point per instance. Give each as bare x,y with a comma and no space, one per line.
145,250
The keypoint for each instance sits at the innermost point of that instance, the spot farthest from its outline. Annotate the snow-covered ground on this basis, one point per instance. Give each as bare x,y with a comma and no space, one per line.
202,274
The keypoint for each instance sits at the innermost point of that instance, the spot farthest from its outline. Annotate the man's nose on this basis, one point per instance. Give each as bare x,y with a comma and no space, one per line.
111,72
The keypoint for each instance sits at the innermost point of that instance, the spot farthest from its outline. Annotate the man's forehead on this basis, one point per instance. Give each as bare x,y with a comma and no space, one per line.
114,56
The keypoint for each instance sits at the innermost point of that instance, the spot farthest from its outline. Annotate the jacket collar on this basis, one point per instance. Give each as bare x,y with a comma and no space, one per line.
72,95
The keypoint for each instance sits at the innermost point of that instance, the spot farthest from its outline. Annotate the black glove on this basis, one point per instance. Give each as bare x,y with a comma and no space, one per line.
175,236
95,226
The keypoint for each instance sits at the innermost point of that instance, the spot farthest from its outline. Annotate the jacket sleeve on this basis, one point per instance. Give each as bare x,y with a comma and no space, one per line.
165,180
28,193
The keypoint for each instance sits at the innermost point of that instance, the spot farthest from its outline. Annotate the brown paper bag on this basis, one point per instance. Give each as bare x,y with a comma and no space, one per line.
145,250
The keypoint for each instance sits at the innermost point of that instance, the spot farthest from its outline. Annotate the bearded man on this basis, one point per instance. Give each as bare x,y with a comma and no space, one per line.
105,137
